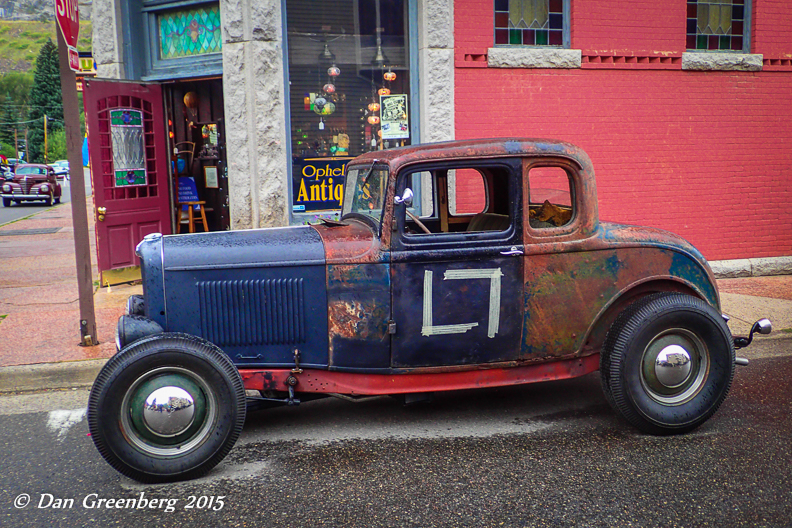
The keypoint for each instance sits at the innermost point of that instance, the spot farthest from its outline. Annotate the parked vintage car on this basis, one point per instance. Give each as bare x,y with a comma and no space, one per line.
61,168
457,265
31,182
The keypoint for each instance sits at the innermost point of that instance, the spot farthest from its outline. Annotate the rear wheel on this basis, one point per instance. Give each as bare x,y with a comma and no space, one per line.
167,407
667,363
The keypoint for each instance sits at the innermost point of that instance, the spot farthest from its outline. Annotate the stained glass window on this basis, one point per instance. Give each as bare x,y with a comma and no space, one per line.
717,25
194,31
129,161
529,22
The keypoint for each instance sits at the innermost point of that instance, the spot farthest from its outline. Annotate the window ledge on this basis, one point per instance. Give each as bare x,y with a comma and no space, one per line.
721,61
517,57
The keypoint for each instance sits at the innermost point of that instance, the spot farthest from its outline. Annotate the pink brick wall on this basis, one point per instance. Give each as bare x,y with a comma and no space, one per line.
629,26
707,155
772,20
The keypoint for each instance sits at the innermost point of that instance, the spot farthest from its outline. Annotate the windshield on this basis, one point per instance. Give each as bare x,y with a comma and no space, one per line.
364,192
30,170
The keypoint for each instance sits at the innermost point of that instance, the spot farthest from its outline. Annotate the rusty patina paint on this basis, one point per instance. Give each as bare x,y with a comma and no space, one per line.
354,243
358,311
320,381
566,293
573,274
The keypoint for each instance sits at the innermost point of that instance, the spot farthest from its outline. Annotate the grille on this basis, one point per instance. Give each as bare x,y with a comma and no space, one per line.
252,312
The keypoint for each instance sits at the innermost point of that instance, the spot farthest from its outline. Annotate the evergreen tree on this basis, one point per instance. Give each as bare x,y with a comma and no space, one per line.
45,99
8,115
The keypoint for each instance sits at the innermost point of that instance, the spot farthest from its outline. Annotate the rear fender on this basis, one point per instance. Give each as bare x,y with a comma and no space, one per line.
605,319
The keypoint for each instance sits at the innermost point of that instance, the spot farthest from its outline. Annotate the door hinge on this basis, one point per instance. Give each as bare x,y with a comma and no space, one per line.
391,326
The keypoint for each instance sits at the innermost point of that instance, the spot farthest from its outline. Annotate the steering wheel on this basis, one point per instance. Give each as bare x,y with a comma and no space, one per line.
418,222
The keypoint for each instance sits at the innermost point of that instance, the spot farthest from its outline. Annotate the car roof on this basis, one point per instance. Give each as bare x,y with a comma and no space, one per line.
477,148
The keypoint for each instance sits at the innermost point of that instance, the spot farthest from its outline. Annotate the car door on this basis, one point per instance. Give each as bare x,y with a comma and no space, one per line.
456,266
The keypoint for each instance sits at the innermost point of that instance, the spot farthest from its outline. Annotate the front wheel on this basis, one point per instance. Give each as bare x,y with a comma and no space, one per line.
6,202
667,363
49,200
167,407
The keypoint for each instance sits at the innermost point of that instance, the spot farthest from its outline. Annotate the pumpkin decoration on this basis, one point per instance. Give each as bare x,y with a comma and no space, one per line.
389,76
374,107
383,91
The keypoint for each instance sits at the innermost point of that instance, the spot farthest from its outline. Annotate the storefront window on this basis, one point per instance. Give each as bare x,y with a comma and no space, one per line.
349,88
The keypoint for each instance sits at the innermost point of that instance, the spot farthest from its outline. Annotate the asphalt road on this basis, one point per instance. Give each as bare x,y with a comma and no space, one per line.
23,209
550,454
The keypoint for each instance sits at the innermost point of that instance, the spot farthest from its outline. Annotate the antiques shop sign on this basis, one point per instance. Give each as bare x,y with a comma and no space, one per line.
318,183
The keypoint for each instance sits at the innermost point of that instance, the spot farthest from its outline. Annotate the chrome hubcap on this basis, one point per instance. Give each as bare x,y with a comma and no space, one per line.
674,366
169,411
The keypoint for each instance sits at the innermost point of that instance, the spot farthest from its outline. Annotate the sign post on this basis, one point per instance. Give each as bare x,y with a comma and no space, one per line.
69,23
67,14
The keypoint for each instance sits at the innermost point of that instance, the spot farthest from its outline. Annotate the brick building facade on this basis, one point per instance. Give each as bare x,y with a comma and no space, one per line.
703,153
695,141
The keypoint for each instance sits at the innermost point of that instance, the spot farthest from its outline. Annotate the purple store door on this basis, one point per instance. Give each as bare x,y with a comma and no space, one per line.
129,165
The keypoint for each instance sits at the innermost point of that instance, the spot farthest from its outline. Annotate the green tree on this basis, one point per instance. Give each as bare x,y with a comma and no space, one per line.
57,145
45,99
17,85
8,116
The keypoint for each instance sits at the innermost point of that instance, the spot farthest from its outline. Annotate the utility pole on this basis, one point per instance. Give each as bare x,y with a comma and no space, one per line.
16,145
82,247
46,158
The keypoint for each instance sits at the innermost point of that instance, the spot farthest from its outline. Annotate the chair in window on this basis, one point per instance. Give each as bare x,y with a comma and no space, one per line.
184,151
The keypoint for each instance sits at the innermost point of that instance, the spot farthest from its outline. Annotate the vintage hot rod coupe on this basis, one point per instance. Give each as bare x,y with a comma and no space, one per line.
456,265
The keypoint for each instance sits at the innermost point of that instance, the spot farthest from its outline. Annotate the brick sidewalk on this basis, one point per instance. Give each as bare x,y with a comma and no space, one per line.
39,296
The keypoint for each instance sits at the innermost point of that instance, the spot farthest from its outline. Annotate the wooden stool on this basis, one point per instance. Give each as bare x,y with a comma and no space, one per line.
190,219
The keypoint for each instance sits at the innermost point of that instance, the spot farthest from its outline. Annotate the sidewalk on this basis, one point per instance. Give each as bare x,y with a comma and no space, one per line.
39,308
39,311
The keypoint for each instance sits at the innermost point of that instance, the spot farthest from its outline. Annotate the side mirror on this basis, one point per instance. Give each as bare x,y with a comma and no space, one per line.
405,198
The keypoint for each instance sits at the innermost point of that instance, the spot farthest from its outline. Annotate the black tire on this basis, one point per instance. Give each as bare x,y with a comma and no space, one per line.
6,202
667,363
49,200
57,200
123,419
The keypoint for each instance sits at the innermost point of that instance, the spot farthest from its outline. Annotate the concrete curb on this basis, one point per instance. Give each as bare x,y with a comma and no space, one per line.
752,267
45,376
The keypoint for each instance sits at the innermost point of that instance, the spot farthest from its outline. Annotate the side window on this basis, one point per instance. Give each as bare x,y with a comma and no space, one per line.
719,25
532,23
457,200
467,192
551,198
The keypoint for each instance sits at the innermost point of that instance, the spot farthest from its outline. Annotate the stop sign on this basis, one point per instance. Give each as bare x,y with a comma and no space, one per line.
68,15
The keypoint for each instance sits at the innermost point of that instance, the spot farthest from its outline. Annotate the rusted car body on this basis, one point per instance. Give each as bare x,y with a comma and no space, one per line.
413,292
31,182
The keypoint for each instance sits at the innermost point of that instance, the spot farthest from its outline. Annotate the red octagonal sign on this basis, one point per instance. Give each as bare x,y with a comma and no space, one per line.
68,16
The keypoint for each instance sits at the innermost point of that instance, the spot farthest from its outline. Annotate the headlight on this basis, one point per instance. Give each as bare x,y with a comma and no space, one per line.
130,328
6,188
44,188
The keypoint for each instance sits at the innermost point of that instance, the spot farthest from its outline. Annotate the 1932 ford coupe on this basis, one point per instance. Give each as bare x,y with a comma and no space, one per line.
457,265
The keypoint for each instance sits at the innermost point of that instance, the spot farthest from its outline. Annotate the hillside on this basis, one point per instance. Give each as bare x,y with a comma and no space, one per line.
20,42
